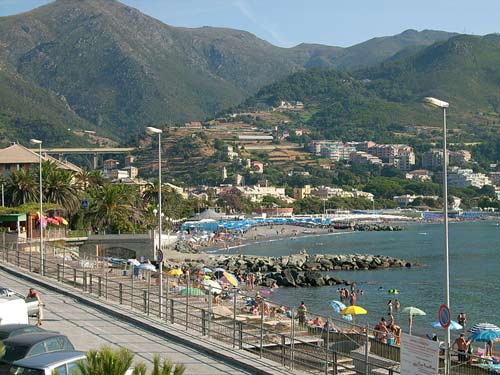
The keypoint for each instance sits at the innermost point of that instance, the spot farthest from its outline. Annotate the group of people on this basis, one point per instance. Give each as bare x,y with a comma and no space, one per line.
350,295
387,331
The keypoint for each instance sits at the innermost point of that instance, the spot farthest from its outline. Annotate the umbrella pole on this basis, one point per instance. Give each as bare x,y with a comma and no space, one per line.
410,321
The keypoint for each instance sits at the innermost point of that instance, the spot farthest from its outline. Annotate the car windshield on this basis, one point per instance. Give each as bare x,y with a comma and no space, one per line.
15,370
13,353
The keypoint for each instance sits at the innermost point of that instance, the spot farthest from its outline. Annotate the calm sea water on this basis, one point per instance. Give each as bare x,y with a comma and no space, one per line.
474,271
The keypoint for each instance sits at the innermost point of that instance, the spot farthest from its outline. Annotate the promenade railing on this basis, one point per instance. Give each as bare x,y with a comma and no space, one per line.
334,346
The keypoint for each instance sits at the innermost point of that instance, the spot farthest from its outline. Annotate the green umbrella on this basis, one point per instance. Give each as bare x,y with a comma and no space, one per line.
412,311
192,292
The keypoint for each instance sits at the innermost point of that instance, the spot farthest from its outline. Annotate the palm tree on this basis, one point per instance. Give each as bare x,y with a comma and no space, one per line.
23,187
89,179
59,187
114,206
109,361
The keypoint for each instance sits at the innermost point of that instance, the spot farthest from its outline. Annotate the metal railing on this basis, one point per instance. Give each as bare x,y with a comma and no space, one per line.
240,319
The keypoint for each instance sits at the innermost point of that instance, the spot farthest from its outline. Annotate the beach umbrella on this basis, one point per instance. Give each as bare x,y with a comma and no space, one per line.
192,292
231,279
483,327
412,311
353,311
454,326
485,335
213,285
337,307
146,266
175,272
206,270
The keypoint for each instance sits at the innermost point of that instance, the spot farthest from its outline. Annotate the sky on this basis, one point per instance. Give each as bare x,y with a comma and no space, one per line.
287,23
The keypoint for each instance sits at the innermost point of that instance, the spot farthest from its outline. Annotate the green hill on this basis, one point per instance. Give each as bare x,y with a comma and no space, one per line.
104,63
380,103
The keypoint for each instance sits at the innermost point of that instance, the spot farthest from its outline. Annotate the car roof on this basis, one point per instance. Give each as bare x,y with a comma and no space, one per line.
30,338
49,359
12,327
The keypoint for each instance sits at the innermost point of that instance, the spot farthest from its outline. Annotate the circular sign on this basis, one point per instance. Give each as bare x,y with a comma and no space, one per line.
444,316
160,256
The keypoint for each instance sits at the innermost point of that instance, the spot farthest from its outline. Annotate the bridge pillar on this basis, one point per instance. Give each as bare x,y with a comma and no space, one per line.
95,160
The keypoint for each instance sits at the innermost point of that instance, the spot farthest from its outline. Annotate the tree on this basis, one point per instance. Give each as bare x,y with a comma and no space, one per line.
59,187
115,207
89,179
22,187
109,361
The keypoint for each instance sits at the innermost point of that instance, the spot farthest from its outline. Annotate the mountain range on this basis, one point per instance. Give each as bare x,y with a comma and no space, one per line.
102,65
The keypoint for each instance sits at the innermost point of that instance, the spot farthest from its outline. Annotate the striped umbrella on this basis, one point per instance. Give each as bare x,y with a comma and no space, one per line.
483,327
485,335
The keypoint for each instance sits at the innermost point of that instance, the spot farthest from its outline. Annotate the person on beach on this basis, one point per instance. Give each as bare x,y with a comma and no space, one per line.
381,331
353,298
462,320
302,314
389,306
489,348
33,294
462,345
397,305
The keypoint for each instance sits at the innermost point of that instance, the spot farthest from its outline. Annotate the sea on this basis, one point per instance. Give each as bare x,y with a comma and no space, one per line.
474,253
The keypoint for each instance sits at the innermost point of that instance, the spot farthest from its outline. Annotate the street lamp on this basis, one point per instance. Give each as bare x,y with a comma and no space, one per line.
153,131
39,143
433,102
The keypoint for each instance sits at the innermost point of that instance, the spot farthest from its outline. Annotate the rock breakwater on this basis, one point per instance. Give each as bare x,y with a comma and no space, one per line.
300,270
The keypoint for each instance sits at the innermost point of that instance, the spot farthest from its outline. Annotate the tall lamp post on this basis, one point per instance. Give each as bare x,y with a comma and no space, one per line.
42,255
433,102
153,131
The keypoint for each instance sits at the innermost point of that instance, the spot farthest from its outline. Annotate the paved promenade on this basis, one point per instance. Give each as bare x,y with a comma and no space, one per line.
89,328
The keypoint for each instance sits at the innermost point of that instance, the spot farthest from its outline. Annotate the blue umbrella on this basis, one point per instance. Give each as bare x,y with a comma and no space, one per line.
454,326
337,307
485,336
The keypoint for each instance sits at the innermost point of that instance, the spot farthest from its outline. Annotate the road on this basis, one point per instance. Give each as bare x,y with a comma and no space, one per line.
88,328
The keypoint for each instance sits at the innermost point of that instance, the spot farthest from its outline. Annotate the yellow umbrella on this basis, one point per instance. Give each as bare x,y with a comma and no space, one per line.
175,272
353,310
231,279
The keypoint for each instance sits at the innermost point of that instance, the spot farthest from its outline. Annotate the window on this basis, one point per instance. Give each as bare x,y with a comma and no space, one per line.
73,368
37,349
13,353
54,344
61,370
25,371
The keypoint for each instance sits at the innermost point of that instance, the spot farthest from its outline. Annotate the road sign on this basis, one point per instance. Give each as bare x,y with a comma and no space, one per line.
444,316
160,256
85,203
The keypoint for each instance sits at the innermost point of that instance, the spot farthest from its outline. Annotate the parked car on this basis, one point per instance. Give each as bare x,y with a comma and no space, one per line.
64,363
32,303
11,330
31,344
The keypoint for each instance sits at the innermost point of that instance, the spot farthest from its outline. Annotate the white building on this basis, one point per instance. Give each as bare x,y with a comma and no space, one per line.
404,161
466,177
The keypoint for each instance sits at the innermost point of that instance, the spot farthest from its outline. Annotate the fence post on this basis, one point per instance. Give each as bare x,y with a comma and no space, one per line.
58,272
334,359
149,289
327,345
99,285
120,293
145,301
85,280
209,310
17,253
283,350
261,327
187,300
172,311
74,277
292,340
367,349
240,335
90,282
167,291
106,285
132,291
64,264
29,260
234,317
203,322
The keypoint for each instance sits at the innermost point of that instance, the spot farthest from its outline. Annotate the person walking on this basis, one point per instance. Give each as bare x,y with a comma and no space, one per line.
302,314
33,294
462,345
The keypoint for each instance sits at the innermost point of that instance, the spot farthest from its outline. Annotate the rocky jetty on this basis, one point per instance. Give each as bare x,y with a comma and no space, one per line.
378,228
300,270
